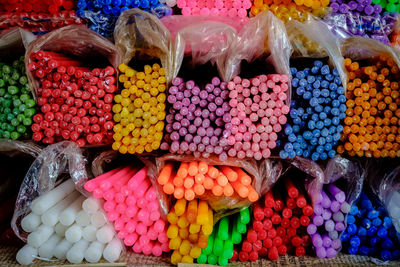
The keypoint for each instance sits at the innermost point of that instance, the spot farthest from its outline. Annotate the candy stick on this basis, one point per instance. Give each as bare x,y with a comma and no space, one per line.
94,252
213,172
202,217
73,233
241,189
184,233
26,255
68,216
50,198
218,246
50,217
41,235
91,205
30,222
76,253
203,169
208,228
223,229
183,170
337,193
46,250
136,181
108,183
60,251
165,174
193,168
60,229
180,207
229,173
82,218
89,233
98,219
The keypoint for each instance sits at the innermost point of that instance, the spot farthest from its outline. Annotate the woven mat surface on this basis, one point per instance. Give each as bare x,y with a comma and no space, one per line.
7,258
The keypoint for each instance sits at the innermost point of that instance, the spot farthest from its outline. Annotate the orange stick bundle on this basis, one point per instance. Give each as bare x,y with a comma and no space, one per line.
189,180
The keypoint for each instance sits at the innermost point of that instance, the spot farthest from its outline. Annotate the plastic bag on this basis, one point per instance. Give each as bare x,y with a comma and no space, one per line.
208,41
103,20
222,206
274,169
317,32
139,33
314,178
13,148
262,34
76,40
383,176
39,23
358,48
351,25
16,39
48,168
177,22
350,171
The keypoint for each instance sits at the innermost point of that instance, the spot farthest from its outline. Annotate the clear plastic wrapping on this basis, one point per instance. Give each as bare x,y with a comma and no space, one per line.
262,34
38,23
16,39
314,176
358,48
351,25
208,41
13,147
272,169
139,33
351,171
104,24
327,43
102,159
222,206
76,40
55,163
177,22
383,176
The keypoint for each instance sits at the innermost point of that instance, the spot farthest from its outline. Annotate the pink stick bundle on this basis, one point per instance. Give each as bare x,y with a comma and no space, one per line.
258,112
131,204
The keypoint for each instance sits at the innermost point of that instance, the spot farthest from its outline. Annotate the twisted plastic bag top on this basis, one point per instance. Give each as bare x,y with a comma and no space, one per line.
73,39
328,43
137,31
53,164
